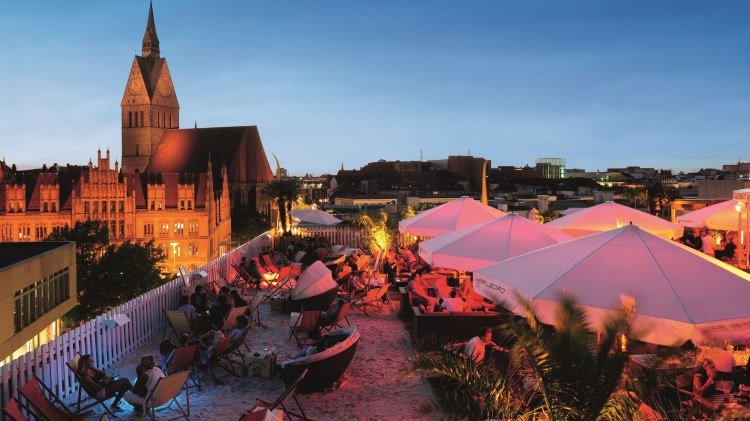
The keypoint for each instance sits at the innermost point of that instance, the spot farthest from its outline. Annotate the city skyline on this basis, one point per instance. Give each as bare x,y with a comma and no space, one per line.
602,85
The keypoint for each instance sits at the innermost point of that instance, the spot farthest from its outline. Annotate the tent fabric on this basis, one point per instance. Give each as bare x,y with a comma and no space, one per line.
315,280
315,216
721,216
488,242
679,293
448,217
611,215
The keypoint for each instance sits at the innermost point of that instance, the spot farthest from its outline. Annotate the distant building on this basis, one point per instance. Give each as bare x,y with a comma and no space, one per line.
38,287
551,167
720,189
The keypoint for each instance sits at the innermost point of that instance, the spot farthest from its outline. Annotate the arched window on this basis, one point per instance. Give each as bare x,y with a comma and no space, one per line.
136,119
143,122
170,120
130,119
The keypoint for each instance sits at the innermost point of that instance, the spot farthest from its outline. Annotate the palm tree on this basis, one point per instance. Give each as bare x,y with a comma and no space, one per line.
545,216
284,193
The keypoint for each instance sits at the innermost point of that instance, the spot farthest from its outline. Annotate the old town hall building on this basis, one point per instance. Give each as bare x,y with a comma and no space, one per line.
176,186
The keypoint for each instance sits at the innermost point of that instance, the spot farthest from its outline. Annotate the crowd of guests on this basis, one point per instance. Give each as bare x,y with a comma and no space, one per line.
721,246
462,298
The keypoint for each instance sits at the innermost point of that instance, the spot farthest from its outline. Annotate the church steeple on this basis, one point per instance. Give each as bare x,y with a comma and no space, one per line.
150,39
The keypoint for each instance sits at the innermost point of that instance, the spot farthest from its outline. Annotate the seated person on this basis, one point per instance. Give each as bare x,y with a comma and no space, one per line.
454,303
251,270
327,317
704,380
187,308
243,324
476,347
729,249
466,291
199,300
419,297
148,375
98,382
237,300
219,311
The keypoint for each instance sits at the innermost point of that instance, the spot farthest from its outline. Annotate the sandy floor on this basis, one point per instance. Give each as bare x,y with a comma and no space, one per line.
377,384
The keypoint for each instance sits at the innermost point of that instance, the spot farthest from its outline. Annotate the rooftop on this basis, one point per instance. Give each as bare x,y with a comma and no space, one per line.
12,253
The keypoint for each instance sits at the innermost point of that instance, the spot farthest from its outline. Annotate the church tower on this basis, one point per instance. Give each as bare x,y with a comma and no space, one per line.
149,105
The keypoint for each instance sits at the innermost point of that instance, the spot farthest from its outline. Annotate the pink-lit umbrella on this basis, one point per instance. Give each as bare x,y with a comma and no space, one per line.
611,215
679,293
721,216
448,217
488,242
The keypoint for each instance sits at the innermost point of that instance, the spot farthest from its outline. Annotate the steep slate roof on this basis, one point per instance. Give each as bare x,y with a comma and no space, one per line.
150,70
187,151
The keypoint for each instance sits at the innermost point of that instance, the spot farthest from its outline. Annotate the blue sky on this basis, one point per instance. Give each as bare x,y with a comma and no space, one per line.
600,83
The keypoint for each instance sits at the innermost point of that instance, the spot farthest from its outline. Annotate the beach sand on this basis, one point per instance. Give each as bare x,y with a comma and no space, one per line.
376,386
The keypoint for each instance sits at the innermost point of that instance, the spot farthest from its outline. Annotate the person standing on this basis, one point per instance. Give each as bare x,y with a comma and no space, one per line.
708,243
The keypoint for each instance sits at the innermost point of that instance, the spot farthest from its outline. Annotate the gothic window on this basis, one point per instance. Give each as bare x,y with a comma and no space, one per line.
170,120
143,122
193,249
121,228
152,204
54,206
96,206
190,204
104,206
158,205
148,228
112,206
179,228
45,207
182,204
86,208
136,119
130,119
193,227
122,206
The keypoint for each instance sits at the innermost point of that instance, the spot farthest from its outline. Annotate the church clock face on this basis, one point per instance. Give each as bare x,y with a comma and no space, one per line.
136,86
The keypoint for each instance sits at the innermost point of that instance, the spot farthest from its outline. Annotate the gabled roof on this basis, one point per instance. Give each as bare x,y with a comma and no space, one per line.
150,70
188,150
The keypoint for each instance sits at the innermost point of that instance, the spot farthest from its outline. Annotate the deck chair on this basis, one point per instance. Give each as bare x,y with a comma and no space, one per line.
284,282
265,274
340,318
231,321
178,323
269,263
254,306
215,361
296,270
92,398
371,299
183,359
43,406
165,394
306,322
233,349
243,279
258,411
13,411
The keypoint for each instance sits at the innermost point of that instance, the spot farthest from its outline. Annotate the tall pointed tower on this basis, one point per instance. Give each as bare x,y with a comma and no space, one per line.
149,105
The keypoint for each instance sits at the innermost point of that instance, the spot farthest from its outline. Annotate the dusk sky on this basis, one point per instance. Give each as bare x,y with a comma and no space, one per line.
600,83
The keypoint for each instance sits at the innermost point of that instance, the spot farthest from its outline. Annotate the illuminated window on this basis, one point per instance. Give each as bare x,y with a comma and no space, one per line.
121,231
33,301
179,228
86,208
164,228
193,227
122,206
182,204
158,205
190,204
148,228
193,249
24,232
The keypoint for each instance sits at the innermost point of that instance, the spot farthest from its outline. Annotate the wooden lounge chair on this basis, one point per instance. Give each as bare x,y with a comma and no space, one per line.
178,323
266,275
242,279
92,398
215,361
306,322
254,306
231,321
226,360
13,411
165,394
183,359
340,318
269,263
372,298
258,411
44,405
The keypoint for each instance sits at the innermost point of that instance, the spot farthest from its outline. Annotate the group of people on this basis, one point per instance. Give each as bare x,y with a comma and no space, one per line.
463,298
403,260
721,247
307,250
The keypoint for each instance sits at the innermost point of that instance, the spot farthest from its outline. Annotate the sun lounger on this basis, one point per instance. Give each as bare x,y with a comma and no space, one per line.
231,321
230,364
165,394
215,361
92,398
13,411
306,322
340,318
44,405
243,279
254,306
372,299
265,274
183,359
178,322
269,263
258,411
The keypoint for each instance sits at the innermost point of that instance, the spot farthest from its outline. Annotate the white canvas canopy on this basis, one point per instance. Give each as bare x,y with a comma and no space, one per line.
721,216
448,217
488,242
315,216
679,293
315,280
611,215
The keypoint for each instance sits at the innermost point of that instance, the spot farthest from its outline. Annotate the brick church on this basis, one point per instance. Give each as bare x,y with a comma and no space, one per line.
176,186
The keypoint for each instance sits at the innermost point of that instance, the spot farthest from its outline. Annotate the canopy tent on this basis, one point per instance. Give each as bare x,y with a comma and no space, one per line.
315,280
448,217
611,215
679,293
488,242
721,216
315,216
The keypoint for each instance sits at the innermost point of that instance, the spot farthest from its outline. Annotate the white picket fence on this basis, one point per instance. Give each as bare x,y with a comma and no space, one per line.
346,235
107,342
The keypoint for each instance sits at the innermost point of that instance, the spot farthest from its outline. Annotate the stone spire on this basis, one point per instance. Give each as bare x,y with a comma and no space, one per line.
150,39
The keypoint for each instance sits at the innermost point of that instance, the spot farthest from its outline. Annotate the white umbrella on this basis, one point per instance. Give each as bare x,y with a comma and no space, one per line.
488,242
721,216
315,216
448,217
611,215
679,293
315,280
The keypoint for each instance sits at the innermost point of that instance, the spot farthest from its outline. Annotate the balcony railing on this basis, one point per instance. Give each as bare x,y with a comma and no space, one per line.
106,341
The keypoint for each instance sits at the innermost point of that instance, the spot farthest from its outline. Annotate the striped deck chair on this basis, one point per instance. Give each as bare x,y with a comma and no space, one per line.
165,393
183,359
43,402
261,407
